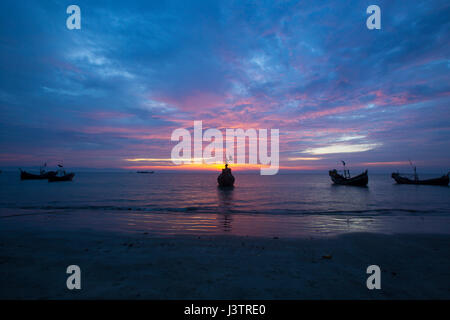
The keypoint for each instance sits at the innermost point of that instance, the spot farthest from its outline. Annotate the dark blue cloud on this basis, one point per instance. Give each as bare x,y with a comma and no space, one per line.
311,69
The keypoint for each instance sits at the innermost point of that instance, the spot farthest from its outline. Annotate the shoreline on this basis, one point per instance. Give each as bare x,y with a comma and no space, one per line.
193,223
141,266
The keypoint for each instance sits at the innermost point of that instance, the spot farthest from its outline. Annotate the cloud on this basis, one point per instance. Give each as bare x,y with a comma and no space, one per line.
304,158
342,148
142,68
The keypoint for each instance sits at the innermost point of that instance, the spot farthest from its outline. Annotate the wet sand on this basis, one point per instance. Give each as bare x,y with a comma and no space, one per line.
33,265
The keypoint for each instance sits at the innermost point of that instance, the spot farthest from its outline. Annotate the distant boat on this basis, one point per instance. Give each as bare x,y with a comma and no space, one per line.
145,172
43,175
360,180
225,179
61,175
441,181
65,177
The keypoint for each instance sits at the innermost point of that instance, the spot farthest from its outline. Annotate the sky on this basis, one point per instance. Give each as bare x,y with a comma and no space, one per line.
115,90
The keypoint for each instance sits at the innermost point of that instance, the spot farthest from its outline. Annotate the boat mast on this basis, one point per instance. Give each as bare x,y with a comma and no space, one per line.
346,172
43,168
416,177
230,158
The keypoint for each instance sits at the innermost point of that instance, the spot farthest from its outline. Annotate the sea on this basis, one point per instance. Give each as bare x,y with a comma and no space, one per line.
170,204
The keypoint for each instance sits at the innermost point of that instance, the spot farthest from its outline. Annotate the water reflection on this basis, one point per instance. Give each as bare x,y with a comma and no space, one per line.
352,198
171,204
225,205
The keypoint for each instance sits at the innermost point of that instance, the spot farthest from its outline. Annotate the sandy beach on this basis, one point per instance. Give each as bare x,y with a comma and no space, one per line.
140,266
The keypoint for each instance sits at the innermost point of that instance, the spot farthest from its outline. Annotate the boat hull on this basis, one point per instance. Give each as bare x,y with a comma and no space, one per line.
442,181
225,180
359,180
31,176
67,177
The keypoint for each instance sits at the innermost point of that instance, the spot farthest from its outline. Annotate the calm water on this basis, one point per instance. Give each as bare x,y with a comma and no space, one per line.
168,203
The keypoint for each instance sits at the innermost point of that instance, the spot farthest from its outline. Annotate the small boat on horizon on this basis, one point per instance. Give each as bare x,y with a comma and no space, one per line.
148,172
360,180
61,175
43,175
66,177
225,179
441,181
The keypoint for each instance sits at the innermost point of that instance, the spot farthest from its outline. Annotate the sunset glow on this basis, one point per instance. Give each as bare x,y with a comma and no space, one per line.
106,97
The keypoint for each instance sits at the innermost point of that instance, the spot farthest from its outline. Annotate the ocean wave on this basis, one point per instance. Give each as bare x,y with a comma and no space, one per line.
221,210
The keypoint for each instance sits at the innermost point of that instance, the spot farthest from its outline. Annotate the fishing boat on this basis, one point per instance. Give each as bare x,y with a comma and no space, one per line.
441,181
225,179
147,172
360,180
61,175
43,174
66,177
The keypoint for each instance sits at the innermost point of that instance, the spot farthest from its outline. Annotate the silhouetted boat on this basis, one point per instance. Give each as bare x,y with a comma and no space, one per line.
441,181
359,180
66,177
225,179
345,179
41,176
61,175
145,172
